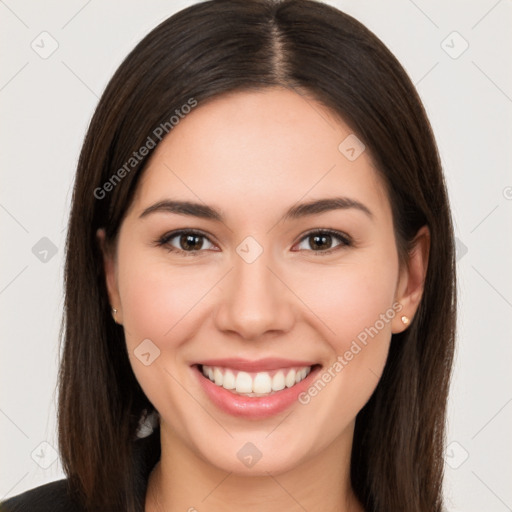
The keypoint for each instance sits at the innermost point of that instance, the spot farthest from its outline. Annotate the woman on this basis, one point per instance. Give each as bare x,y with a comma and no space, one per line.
260,276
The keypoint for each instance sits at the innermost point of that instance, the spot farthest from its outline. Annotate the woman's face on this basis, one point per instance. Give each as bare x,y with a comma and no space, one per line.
252,297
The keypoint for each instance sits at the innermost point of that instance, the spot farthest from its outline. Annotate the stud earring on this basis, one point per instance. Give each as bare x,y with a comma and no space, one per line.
405,320
114,310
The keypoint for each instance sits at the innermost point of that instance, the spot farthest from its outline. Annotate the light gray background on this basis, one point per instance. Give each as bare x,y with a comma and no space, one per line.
46,105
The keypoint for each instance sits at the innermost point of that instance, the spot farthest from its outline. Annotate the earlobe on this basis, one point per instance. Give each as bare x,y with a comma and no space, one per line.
109,268
412,279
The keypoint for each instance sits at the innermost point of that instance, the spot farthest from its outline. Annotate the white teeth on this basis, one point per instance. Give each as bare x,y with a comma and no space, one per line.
218,377
302,374
262,383
255,384
290,379
243,383
278,381
229,380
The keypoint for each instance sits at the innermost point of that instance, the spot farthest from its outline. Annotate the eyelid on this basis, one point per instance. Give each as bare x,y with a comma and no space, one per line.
164,240
345,239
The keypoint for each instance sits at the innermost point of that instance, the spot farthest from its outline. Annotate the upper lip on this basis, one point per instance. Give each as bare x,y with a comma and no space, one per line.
259,365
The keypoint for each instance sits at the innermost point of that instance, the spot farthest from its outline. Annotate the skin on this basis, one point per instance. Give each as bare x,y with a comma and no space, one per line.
252,155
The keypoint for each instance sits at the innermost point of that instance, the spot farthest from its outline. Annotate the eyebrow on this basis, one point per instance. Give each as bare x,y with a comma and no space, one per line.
298,211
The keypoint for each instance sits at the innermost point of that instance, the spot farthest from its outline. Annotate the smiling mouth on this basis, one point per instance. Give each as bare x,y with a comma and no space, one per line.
255,384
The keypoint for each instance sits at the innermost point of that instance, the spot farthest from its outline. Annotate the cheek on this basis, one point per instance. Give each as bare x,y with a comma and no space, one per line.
351,297
355,313
354,303
156,299
160,303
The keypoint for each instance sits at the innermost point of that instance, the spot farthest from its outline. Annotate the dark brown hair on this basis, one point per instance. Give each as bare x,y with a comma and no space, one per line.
201,52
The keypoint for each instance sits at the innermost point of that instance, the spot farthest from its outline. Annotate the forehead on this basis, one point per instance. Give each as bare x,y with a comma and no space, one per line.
257,150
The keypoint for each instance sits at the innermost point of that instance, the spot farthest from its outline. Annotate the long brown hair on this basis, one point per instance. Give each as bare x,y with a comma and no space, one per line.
201,52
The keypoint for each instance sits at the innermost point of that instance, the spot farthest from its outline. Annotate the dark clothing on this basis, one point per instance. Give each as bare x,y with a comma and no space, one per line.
54,496
50,497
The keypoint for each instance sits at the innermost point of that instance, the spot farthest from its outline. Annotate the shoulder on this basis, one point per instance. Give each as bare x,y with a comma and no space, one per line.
50,497
56,496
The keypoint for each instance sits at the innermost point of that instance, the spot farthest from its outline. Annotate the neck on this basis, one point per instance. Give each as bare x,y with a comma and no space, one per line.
181,481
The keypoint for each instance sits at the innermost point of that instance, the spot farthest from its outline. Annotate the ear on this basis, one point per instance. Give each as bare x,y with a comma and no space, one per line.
110,268
411,281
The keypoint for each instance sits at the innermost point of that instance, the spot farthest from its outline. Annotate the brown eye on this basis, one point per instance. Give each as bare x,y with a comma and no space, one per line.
320,241
191,242
323,241
186,241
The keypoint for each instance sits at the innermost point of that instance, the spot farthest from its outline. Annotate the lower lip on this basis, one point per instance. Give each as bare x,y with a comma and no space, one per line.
254,407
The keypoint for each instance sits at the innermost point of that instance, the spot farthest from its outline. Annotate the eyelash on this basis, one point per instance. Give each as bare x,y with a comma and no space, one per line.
345,240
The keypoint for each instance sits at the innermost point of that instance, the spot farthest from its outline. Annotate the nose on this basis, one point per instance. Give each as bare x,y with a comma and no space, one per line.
255,301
